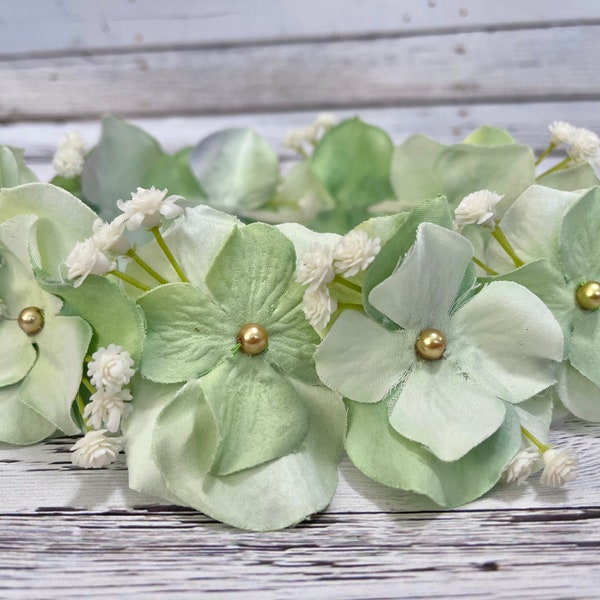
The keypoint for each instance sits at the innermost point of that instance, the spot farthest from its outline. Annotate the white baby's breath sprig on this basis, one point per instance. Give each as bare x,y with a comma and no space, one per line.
110,237
315,267
87,259
478,208
107,407
522,465
69,158
585,146
560,466
300,138
111,368
96,450
147,206
354,253
318,306
562,132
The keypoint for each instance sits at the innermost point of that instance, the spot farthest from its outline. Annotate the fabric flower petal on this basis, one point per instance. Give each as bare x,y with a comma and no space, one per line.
421,292
361,360
17,355
441,410
580,395
584,354
505,340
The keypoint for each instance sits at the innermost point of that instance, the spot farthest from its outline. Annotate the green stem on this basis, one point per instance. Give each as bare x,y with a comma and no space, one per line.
88,385
163,246
545,153
130,280
561,165
80,405
541,447
348,284
505,245
236,348
481,264
144,265
87,358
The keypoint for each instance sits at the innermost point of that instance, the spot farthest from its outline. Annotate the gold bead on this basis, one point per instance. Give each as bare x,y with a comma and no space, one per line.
588,295
253,338
31,320
431,344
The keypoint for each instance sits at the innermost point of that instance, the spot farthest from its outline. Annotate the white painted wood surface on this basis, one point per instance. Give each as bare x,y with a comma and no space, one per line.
184,69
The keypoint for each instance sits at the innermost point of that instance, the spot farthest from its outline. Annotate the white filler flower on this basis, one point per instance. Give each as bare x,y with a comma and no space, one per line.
315,267
559,467
585,145
109,237
95,450
318,307
478,208
87,259
69,158
562,132
522,465
111,367
355,252
107,407
147,206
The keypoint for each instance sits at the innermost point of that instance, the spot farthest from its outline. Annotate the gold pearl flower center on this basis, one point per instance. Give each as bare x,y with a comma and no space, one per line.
431,344
588,295
253,338
31,320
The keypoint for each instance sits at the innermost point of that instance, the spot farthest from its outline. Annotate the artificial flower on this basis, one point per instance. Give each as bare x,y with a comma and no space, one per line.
522,465
69,158
556,234
562,132
111,368
109,237
85,259
146,208
500,349
478,208
96,450
254,416
318,307
560,467
354,253
107,406
315,267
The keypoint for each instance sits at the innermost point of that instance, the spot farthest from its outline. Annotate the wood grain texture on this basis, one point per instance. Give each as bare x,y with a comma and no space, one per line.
541,64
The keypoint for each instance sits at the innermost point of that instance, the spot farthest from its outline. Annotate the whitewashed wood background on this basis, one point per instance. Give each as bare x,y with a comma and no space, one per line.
182,69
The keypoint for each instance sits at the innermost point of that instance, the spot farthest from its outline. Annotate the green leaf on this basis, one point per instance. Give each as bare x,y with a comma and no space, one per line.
352,161
387,457
580,395
584,353
237,169
174,173
579,177
118,164
489,136
13,170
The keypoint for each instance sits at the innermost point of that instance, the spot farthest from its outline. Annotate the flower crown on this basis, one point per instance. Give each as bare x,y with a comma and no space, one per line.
424,306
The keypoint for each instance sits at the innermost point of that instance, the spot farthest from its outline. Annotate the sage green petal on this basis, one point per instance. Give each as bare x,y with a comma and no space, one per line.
532,226
412,175
535,415
20,424
53,382
251,415
173,172
187,333
579,239
384,455
303,237
251,273
489,136
578,393
118,164
445,412
271,496
507,341
421,292
362,360
507,170
237,169
584,353
17,355
13,170
578,177
138,426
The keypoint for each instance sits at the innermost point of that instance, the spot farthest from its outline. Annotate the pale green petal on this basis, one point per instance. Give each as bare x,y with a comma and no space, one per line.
578,393
237,169
535,414
584,353
440,409
532,226
506,340
384,455
187,334
250,274
247,415
303,238
362,360
9,170
277,494
579,239
421,292
54,380
489,136
20,424
17,355
578,177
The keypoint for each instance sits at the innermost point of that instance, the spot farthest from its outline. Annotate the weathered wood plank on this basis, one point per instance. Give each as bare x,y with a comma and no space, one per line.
31,26
521,65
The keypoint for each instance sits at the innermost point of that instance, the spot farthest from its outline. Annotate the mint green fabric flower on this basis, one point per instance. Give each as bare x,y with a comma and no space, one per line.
455,413
556,234
240,429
